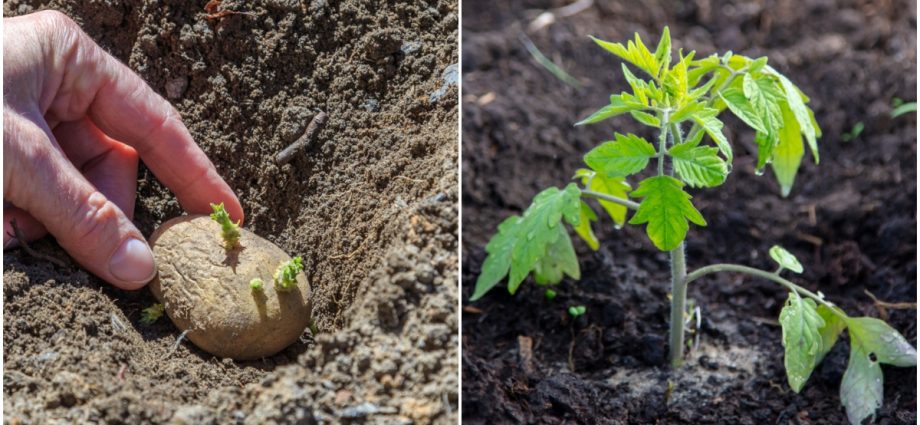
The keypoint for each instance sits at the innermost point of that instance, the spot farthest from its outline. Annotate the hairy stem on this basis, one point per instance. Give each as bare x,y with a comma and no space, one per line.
663,139
715,268
616,200
678,305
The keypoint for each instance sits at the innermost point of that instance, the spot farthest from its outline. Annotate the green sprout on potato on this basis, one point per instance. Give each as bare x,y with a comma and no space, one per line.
286,275
229,230
151,314
256,284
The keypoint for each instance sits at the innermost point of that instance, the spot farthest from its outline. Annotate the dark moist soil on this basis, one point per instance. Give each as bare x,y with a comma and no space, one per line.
850,220
370,204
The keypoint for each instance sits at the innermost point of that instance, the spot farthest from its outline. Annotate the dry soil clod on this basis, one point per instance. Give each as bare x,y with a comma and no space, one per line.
316,124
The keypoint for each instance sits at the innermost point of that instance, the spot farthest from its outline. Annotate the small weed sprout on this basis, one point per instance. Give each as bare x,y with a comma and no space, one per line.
682,98
286,275
151,314
229,231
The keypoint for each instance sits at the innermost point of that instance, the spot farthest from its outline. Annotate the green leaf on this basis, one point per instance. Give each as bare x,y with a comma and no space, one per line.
613,186
639,87
713,127
742,109
883,341
498,262
616,107
872,342
577,310
833,326
537,228
687,112
646,118
785,259
663,51
757,64
584,226
766,145
559,259
635,53
801,338
787,155
666,208
800,111
521,242
765,97
627,155
698,166
861,390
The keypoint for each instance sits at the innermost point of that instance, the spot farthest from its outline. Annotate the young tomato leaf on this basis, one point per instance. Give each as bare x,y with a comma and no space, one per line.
635,53
663,51
861,387
872,342
646,118
801,338
799,111
617,106
537,228
627,155
883,341
666,208
498,262
687,112
765,97
787,155
713,127
785,259
613,186
698,166
766,145
742,108
833,326
559,258
639,87
584,226
522,241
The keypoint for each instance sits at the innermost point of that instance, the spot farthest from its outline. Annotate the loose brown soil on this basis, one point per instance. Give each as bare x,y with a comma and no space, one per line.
370,205
850,220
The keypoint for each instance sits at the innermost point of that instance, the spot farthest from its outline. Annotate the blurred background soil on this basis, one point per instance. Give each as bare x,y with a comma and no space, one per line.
370,204
851,219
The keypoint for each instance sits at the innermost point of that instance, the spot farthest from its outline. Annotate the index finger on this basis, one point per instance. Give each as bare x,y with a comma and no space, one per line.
121,104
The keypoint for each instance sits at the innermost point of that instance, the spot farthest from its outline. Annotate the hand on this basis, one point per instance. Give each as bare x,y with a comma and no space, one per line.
74,122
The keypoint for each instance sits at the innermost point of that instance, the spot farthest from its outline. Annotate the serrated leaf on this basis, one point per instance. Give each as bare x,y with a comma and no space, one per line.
698,166
687,112
616,107
498,262
801,338
833,326
559,260
800,112
667,209
523,241
765,97
880,339
742,109
627,155
584,229
757,64
646,118
861,390
713,127
787,155
639,87
663,51
785,259
634,53
613,186
701,90
676,82
766,144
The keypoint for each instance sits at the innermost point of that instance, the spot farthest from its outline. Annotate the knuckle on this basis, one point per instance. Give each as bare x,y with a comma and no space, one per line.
95,216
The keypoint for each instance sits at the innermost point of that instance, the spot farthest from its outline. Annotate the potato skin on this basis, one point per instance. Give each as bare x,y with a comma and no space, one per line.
205,290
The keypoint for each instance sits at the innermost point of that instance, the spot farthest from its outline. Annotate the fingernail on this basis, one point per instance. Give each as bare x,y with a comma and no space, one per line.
133,262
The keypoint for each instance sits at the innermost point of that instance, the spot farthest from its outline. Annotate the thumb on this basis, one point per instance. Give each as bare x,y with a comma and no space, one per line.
89,226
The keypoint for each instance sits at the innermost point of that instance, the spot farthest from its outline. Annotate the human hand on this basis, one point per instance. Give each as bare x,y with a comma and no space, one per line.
75,120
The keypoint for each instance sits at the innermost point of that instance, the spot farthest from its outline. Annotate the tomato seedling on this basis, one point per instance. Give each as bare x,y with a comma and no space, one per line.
683,101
